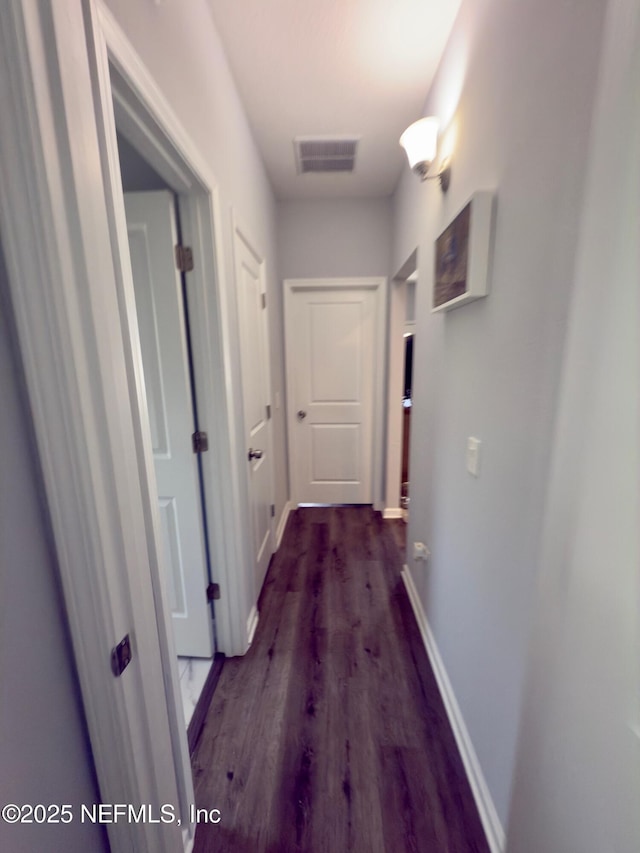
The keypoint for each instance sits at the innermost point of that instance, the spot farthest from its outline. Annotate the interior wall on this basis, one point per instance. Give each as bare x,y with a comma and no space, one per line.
331,238
46,756
181,48
577,781
515,93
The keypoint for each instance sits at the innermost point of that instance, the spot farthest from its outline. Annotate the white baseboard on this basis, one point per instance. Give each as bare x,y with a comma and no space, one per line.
283,523
392,512
252,624
484,802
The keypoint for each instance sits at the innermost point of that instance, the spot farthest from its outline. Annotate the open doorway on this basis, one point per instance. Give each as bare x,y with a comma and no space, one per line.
407,402
132,115
402,328
407,392
176,441
78,330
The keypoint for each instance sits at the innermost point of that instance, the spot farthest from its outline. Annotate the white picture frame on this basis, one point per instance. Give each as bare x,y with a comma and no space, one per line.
462,256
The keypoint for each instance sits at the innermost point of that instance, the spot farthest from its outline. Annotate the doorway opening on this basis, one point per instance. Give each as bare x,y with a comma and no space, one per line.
402,328
79,335
126,99
407,391
161,292
407,403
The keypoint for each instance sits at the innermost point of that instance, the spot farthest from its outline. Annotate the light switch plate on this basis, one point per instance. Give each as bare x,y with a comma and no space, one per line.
473,456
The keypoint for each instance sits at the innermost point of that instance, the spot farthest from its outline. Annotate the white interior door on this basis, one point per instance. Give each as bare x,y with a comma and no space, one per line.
151,225
254,358
331,379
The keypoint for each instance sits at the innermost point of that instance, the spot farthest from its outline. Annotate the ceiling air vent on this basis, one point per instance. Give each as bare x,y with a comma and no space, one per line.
324,154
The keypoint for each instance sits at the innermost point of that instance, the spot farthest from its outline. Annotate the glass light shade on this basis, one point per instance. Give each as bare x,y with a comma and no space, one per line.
420,141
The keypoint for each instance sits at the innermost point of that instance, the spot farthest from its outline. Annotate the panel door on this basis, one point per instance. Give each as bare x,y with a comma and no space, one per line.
151,226
330,367
254,358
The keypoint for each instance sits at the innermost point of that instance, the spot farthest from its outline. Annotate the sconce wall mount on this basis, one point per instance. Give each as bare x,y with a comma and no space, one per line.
420,141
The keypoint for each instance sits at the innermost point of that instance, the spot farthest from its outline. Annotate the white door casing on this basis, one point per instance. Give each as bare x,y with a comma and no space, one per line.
152,232
334,345
56,234
149,124
256,396
397,324
72,294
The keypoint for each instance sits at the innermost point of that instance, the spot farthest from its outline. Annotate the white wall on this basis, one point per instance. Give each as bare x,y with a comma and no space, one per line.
577,782
516,90
46,756
331,238
181,47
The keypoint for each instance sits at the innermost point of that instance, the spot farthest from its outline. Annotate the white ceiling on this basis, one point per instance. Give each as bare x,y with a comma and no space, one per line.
333,67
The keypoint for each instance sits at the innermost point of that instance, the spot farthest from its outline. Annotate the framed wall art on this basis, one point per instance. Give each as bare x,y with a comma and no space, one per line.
463,254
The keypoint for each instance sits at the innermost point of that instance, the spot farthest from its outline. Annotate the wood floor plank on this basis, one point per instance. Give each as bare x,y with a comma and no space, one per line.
330,734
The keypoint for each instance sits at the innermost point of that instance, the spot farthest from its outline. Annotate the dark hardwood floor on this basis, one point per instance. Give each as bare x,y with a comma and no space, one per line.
330,734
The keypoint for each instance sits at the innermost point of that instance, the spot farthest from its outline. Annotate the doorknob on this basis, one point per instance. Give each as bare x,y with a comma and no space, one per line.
255,454
301,415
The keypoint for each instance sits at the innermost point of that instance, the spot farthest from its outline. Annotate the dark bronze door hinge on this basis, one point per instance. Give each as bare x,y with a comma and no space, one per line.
213,592
184,258
121,656
200,442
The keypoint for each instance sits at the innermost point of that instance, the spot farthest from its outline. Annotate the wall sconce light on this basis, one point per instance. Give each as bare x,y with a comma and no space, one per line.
420,142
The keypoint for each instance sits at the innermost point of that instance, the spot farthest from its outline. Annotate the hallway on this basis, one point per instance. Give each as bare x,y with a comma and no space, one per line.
330,734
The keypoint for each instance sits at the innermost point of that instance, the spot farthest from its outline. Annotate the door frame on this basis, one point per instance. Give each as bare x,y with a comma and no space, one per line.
144,117
63,231
378,285
241,233
397,325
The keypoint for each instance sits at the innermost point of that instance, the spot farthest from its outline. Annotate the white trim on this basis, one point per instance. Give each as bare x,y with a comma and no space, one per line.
482,796
240,233
284,517
393,512
188,838
148,121
396,327
188,166
153,126
98,59
75,315
379,285
55,232
252,624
